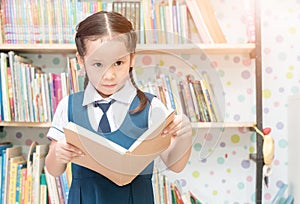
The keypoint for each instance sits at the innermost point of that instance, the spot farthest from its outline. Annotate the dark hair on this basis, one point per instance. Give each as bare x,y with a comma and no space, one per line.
103,24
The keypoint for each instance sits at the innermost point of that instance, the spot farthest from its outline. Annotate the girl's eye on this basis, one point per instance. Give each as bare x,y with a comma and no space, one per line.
118,63
98,65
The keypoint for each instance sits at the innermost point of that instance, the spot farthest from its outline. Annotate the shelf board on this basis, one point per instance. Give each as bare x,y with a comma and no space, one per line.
26,124
223,125
194,125
198,48
243,48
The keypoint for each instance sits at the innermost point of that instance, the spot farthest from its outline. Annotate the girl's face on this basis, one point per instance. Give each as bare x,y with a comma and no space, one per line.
107,65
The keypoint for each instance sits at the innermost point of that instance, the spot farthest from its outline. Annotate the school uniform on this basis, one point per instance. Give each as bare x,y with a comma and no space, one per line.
87,185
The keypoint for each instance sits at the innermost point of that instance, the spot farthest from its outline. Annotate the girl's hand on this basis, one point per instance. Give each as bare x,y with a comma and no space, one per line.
180,127
65,152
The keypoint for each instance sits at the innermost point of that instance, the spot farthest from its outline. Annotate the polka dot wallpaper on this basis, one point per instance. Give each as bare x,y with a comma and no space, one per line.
219,170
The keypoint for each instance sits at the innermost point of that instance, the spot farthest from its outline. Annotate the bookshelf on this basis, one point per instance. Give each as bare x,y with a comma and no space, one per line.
253,50
247,49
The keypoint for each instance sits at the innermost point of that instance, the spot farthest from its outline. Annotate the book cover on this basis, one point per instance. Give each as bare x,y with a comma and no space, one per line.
279,195
64,186
201,101
120,165
28,182
4,85
209,101
38,163
3,147
23,184
10,153
13,171
43,191
19,181
52,187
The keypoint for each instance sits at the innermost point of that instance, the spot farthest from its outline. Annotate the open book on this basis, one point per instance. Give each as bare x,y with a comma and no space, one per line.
113,161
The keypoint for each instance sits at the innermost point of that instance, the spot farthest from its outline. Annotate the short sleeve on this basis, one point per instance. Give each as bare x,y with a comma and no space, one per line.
60,119
157,106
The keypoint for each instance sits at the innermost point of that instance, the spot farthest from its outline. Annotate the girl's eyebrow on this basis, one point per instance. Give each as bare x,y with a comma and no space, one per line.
124,57
96,60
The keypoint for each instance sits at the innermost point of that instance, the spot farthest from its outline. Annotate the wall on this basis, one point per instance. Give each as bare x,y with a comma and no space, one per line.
281,71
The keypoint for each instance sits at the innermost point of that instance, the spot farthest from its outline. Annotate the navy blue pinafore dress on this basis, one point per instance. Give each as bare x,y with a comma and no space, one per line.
89,187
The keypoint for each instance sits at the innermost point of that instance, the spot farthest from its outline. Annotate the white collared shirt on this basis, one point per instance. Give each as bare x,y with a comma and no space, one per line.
116,113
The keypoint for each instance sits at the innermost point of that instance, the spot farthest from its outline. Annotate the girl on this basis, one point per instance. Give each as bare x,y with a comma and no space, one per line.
106,45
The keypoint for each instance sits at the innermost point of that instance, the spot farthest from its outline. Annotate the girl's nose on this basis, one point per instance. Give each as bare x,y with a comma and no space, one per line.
109,73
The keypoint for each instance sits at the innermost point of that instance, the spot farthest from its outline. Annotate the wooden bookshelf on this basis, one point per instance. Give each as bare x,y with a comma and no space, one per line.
246,48
203,125
223,124
26,124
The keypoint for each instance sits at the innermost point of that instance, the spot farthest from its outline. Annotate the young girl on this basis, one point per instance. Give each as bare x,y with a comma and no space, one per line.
106,45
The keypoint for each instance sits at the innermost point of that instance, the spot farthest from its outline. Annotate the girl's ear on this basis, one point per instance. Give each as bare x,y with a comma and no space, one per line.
80,61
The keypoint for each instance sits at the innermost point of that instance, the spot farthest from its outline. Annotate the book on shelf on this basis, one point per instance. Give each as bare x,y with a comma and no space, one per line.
131,10
280,193
63,178
43,190
121,165
22,169
170,191
1,28
29,174
38,162
3,147
188,101
5,109
10,153
13,171
53,196
289,199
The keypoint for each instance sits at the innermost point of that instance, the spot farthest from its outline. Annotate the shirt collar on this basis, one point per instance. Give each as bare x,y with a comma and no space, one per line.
124,95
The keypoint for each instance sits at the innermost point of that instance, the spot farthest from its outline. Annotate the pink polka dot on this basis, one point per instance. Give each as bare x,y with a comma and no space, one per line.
267,196
233,152
276,104
214,64
241,129
249,178
180,74
146,60
208,136
28,142
249,91
236,59
247,62
279,38
276,162
228,191
211,173
267,51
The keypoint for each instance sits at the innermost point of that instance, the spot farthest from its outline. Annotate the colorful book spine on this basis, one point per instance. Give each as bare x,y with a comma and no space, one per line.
19,183
43,190
23,188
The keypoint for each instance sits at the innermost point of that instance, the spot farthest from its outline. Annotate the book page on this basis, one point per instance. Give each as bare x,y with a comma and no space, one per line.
114,161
